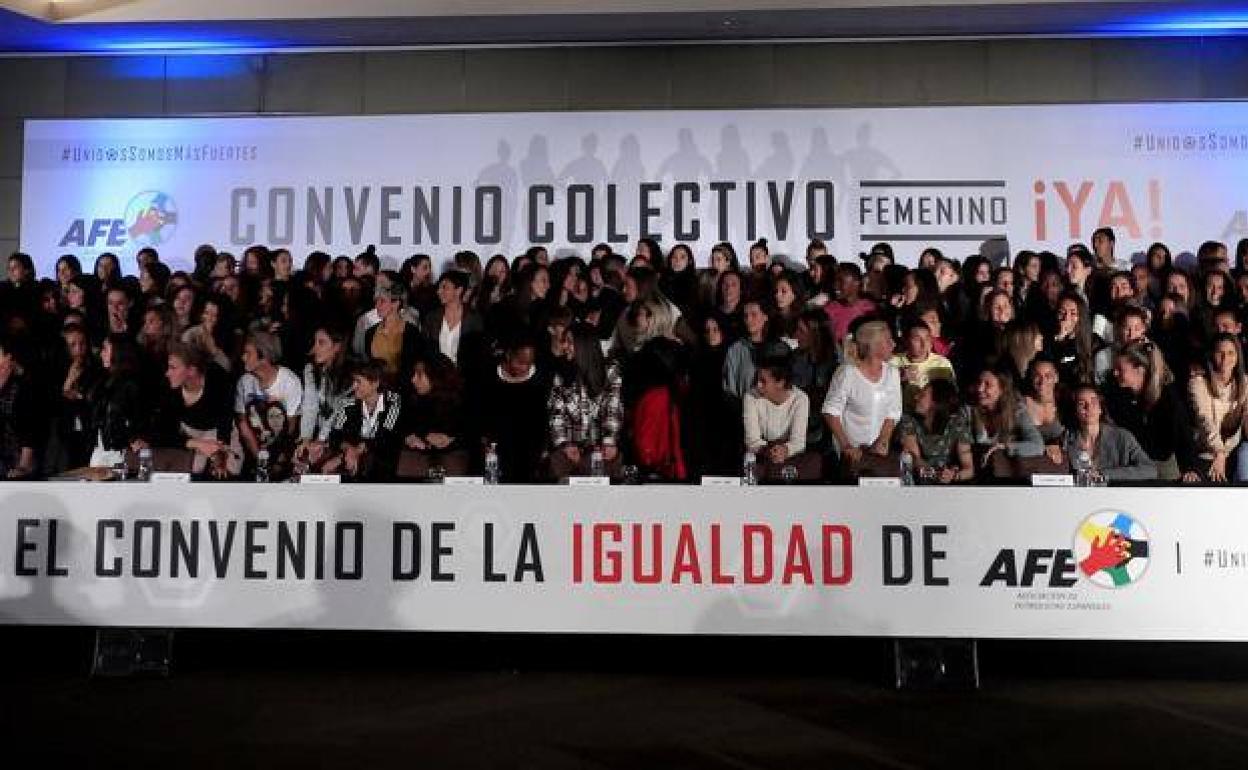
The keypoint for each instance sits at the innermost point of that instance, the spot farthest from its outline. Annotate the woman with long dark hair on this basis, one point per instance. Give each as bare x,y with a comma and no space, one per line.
326,381
107,271
650,252
119,408
1146,402
1071,346
417,275
679,279
434,424
527,307
999,424
215,331
814,363
710,415
936,434
586,409
776,416
789,298
1113,452
71,440
758,342
1219,398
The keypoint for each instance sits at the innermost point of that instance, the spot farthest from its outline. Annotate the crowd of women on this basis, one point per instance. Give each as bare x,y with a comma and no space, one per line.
641,368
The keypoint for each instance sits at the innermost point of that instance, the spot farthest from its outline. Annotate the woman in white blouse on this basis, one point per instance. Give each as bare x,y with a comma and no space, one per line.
863,403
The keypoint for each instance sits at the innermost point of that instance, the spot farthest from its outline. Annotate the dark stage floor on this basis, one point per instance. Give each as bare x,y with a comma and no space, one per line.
428,701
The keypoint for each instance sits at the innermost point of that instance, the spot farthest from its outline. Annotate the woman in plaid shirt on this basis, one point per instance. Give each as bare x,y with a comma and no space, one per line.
585,409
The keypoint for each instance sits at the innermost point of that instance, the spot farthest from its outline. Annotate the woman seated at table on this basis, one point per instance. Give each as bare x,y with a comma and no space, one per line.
863,403
1219,398
776,417
936,434
999,424
1147,403
1114,452
326,380
1043,400
196,413
364,440
585,409
433,423
118,405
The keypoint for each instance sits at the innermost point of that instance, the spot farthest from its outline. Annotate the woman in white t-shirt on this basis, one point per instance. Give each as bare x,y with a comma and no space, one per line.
863,403
264,392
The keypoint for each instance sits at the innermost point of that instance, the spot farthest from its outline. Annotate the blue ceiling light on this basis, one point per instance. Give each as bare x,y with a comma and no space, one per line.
175,38
181,46
1184,22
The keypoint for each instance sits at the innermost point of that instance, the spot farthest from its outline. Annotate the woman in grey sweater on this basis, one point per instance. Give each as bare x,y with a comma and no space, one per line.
1114,452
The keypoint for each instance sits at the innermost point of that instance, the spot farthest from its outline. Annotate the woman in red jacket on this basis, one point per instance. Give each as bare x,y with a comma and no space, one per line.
654,381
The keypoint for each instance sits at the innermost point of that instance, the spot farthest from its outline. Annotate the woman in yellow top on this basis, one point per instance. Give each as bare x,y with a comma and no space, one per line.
918,363
394,341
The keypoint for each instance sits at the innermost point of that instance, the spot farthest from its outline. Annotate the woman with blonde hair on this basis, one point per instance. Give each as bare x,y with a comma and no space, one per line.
645,320
863,404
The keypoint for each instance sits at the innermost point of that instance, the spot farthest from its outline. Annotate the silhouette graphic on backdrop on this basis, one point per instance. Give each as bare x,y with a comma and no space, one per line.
731,162
627,174
503,176
588,169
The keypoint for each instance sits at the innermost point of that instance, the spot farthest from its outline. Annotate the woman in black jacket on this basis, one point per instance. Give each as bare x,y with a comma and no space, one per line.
434,428
1147,403
118,404
365,436
454,329
71,440
196,412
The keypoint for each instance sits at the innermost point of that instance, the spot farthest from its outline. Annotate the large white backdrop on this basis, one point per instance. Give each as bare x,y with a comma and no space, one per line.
814,561
1043,176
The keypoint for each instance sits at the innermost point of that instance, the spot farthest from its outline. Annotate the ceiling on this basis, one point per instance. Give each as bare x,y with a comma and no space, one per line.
98,26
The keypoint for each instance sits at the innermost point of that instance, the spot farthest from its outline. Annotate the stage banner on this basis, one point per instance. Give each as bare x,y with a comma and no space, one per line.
989,563
952,177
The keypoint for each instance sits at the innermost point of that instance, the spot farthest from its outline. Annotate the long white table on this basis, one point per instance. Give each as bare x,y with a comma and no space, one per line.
971,562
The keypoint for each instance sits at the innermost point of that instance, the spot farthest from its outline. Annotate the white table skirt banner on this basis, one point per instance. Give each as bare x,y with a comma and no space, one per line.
1161,564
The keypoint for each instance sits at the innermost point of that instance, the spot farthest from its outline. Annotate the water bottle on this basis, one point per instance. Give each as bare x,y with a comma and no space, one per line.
262,466
749,470
145,464
597,465
907,470
1082,465
491,464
